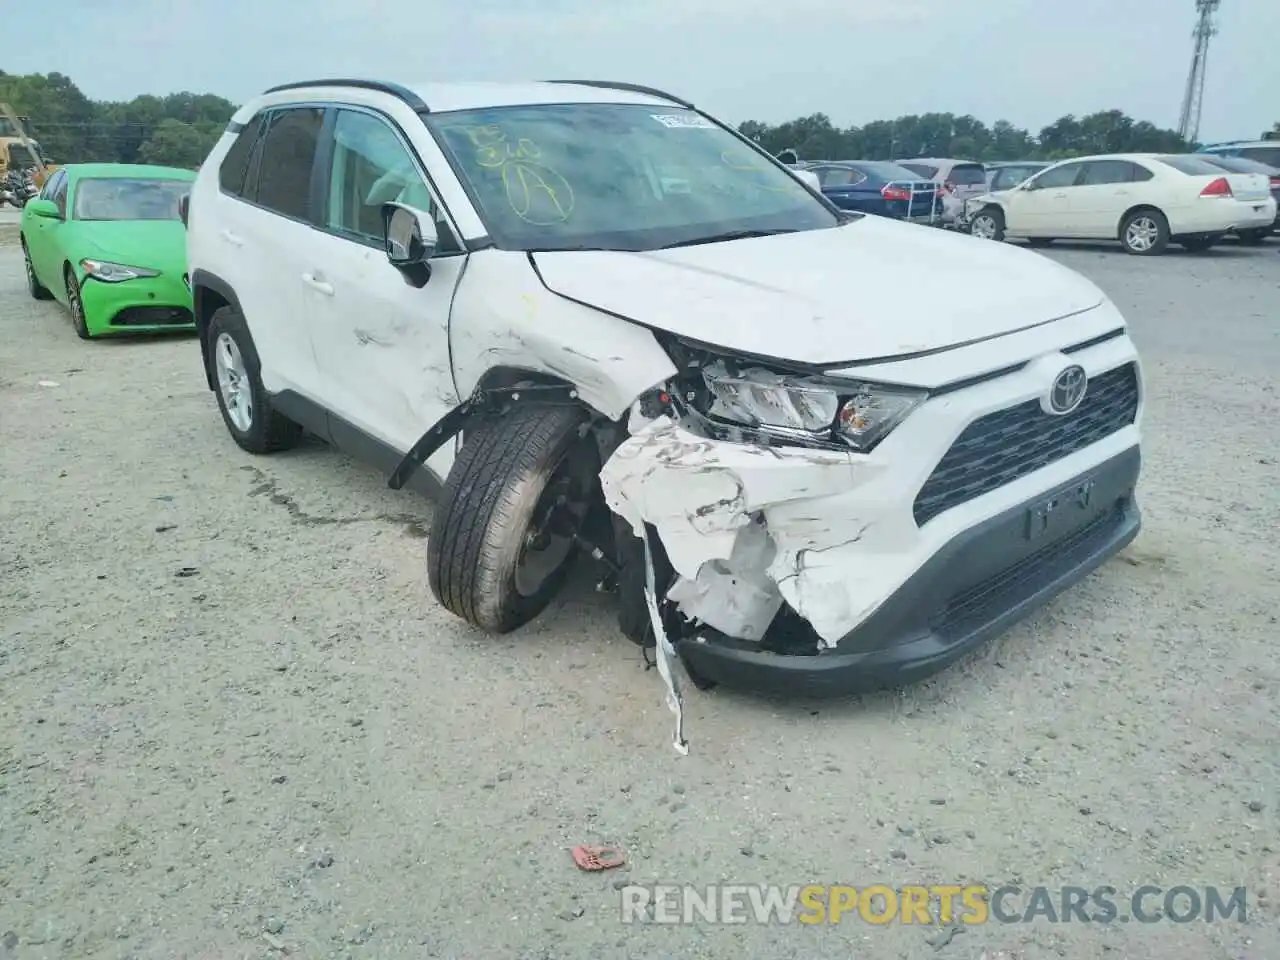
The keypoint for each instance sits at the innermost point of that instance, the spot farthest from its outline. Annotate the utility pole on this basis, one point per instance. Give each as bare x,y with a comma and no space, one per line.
1193,99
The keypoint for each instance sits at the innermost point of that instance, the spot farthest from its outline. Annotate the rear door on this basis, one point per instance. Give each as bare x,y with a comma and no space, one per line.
263,227
842,186
1107,188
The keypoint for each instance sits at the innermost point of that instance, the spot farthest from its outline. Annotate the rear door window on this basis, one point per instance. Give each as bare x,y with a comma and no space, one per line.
1100,172
288,156
231,174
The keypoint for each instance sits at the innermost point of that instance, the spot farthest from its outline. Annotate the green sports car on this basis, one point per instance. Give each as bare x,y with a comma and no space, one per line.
105,239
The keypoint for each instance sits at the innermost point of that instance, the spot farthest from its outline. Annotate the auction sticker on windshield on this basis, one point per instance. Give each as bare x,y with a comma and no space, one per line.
683,120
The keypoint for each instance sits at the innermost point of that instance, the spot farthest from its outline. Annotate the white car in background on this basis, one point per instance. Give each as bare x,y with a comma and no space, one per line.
1143,200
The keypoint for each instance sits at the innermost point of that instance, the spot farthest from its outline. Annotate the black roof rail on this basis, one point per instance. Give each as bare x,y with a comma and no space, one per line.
630,88
414,101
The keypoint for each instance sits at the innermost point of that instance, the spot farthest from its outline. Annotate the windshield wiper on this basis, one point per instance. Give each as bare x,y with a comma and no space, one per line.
722,237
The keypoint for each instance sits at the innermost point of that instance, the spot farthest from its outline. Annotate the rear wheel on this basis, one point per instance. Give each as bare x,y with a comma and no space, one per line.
988,224
503,537
1145,233
246,408
34,287
76,304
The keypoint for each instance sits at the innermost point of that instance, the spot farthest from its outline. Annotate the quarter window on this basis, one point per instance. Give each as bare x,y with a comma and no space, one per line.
371,166
287,157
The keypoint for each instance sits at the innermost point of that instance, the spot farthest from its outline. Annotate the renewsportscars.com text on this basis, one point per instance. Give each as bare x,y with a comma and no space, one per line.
946,904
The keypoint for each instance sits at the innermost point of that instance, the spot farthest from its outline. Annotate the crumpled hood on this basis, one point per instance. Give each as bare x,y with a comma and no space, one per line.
871,289
155,244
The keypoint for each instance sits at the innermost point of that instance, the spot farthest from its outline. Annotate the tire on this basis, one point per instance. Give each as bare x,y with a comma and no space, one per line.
1144,233
488,517
76,305
988,224
260,428
34,287
1197,245
1251,238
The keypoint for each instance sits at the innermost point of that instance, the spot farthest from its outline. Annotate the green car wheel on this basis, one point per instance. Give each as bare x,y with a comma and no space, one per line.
76,304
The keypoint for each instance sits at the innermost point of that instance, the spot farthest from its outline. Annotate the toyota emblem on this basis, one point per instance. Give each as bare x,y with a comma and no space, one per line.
1068,390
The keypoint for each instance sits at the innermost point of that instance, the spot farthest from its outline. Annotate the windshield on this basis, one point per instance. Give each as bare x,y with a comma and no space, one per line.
889,171
617,177
1190,164
119,199
967,174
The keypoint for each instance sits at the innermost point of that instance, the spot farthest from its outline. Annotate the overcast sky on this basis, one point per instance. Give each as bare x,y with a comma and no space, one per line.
1028,61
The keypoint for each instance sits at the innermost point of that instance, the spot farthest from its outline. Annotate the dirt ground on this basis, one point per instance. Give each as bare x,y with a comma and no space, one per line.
234,724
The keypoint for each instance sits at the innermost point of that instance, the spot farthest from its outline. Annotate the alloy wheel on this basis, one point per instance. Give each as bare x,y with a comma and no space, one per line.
233,383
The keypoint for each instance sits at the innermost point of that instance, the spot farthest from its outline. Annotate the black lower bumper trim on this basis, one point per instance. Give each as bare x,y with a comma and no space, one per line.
974,588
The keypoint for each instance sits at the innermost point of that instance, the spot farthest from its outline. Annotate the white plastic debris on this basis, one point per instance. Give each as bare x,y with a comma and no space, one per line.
664,651
736,596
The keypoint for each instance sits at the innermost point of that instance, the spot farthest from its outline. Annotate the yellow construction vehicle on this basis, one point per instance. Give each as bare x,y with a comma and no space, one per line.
17,150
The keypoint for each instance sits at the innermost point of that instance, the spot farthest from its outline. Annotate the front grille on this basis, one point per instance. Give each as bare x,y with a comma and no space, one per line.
1009,444
152,317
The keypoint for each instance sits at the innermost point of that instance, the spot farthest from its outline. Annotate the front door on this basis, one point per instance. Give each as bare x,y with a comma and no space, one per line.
382,344
1042,207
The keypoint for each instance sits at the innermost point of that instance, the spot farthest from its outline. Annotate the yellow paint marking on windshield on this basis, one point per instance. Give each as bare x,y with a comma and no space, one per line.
524,179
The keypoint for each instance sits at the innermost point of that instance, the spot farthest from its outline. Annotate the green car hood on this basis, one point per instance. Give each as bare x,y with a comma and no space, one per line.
154,244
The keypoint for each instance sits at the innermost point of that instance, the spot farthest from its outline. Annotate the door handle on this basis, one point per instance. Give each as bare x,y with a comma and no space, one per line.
231,238
316,283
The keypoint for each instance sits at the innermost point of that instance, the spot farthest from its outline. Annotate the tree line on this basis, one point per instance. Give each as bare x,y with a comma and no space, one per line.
179,129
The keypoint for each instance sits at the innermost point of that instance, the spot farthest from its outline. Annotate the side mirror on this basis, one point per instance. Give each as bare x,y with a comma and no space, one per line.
184,208
410,239
41,207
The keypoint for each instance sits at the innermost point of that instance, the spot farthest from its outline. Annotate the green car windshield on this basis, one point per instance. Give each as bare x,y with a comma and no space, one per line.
618,177
129,199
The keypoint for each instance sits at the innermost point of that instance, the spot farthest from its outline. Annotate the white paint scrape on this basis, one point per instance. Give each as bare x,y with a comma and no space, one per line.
745,527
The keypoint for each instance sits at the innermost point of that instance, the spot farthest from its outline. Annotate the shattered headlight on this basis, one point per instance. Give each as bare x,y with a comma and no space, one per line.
812,409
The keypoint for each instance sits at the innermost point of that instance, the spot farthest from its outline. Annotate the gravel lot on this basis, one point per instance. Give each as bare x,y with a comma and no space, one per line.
292,749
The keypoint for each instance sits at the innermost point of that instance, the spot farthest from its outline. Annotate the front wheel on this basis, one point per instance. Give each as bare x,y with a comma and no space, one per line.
504,534
75,302
34,286
1145,233
988,224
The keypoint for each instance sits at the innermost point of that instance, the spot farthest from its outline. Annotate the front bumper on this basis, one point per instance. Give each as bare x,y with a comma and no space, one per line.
978,585
824,570
142,305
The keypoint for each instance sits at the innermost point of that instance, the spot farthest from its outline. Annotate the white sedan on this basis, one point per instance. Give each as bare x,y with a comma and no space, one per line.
1143,200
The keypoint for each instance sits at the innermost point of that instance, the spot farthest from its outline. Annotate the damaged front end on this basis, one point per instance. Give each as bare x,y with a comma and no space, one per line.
749,476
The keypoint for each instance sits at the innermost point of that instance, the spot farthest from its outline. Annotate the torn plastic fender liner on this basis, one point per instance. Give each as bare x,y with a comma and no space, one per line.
479,403
701,496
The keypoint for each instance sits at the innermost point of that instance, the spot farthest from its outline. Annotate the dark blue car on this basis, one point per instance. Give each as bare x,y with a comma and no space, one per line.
879,187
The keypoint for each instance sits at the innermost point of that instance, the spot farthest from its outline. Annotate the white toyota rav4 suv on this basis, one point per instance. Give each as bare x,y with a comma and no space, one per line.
588,317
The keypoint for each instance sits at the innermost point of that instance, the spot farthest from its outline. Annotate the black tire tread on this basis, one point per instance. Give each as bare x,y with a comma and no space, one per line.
81,327
37,290
271,431
494,483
